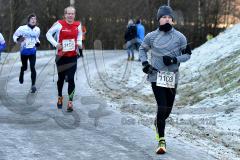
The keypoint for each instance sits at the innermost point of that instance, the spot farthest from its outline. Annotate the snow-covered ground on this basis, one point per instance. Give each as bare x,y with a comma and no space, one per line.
206,111
32,128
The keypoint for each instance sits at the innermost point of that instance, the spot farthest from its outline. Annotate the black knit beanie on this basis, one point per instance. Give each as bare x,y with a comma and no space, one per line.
163,11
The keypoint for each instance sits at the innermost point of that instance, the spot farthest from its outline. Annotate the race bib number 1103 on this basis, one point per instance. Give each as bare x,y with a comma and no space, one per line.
166,79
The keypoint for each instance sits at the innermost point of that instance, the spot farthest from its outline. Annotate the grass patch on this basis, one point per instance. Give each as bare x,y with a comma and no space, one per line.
223,74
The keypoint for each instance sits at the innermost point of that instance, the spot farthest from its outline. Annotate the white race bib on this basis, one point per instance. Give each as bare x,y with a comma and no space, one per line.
166,79
68,45
30,43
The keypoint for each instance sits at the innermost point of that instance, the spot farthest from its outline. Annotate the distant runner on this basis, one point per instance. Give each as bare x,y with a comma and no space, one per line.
2,44
28,37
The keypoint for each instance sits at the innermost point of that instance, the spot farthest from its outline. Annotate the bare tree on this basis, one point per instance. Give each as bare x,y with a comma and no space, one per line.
106,19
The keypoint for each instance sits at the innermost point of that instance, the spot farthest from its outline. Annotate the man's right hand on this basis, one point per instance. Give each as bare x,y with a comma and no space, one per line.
59,46
20,39
148,68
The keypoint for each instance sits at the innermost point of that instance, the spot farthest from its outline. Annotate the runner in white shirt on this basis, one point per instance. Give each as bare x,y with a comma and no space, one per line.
28,37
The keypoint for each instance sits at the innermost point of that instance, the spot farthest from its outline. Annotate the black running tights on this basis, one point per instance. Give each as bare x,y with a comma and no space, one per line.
165,99
66,66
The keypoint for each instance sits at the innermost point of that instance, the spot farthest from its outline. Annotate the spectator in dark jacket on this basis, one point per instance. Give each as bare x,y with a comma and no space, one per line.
130,39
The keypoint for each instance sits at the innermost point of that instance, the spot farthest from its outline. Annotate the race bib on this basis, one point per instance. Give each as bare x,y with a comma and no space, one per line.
166,79
68,45
30,43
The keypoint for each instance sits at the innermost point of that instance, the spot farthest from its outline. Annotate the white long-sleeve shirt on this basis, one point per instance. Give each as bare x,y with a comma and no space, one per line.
31,37
1,39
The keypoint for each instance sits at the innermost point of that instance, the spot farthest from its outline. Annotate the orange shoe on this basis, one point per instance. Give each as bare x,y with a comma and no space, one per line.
60,102
69,106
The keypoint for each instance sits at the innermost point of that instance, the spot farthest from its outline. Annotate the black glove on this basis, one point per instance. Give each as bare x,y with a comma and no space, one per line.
148,68
79,54
187,50
20,39
37,44
169,60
